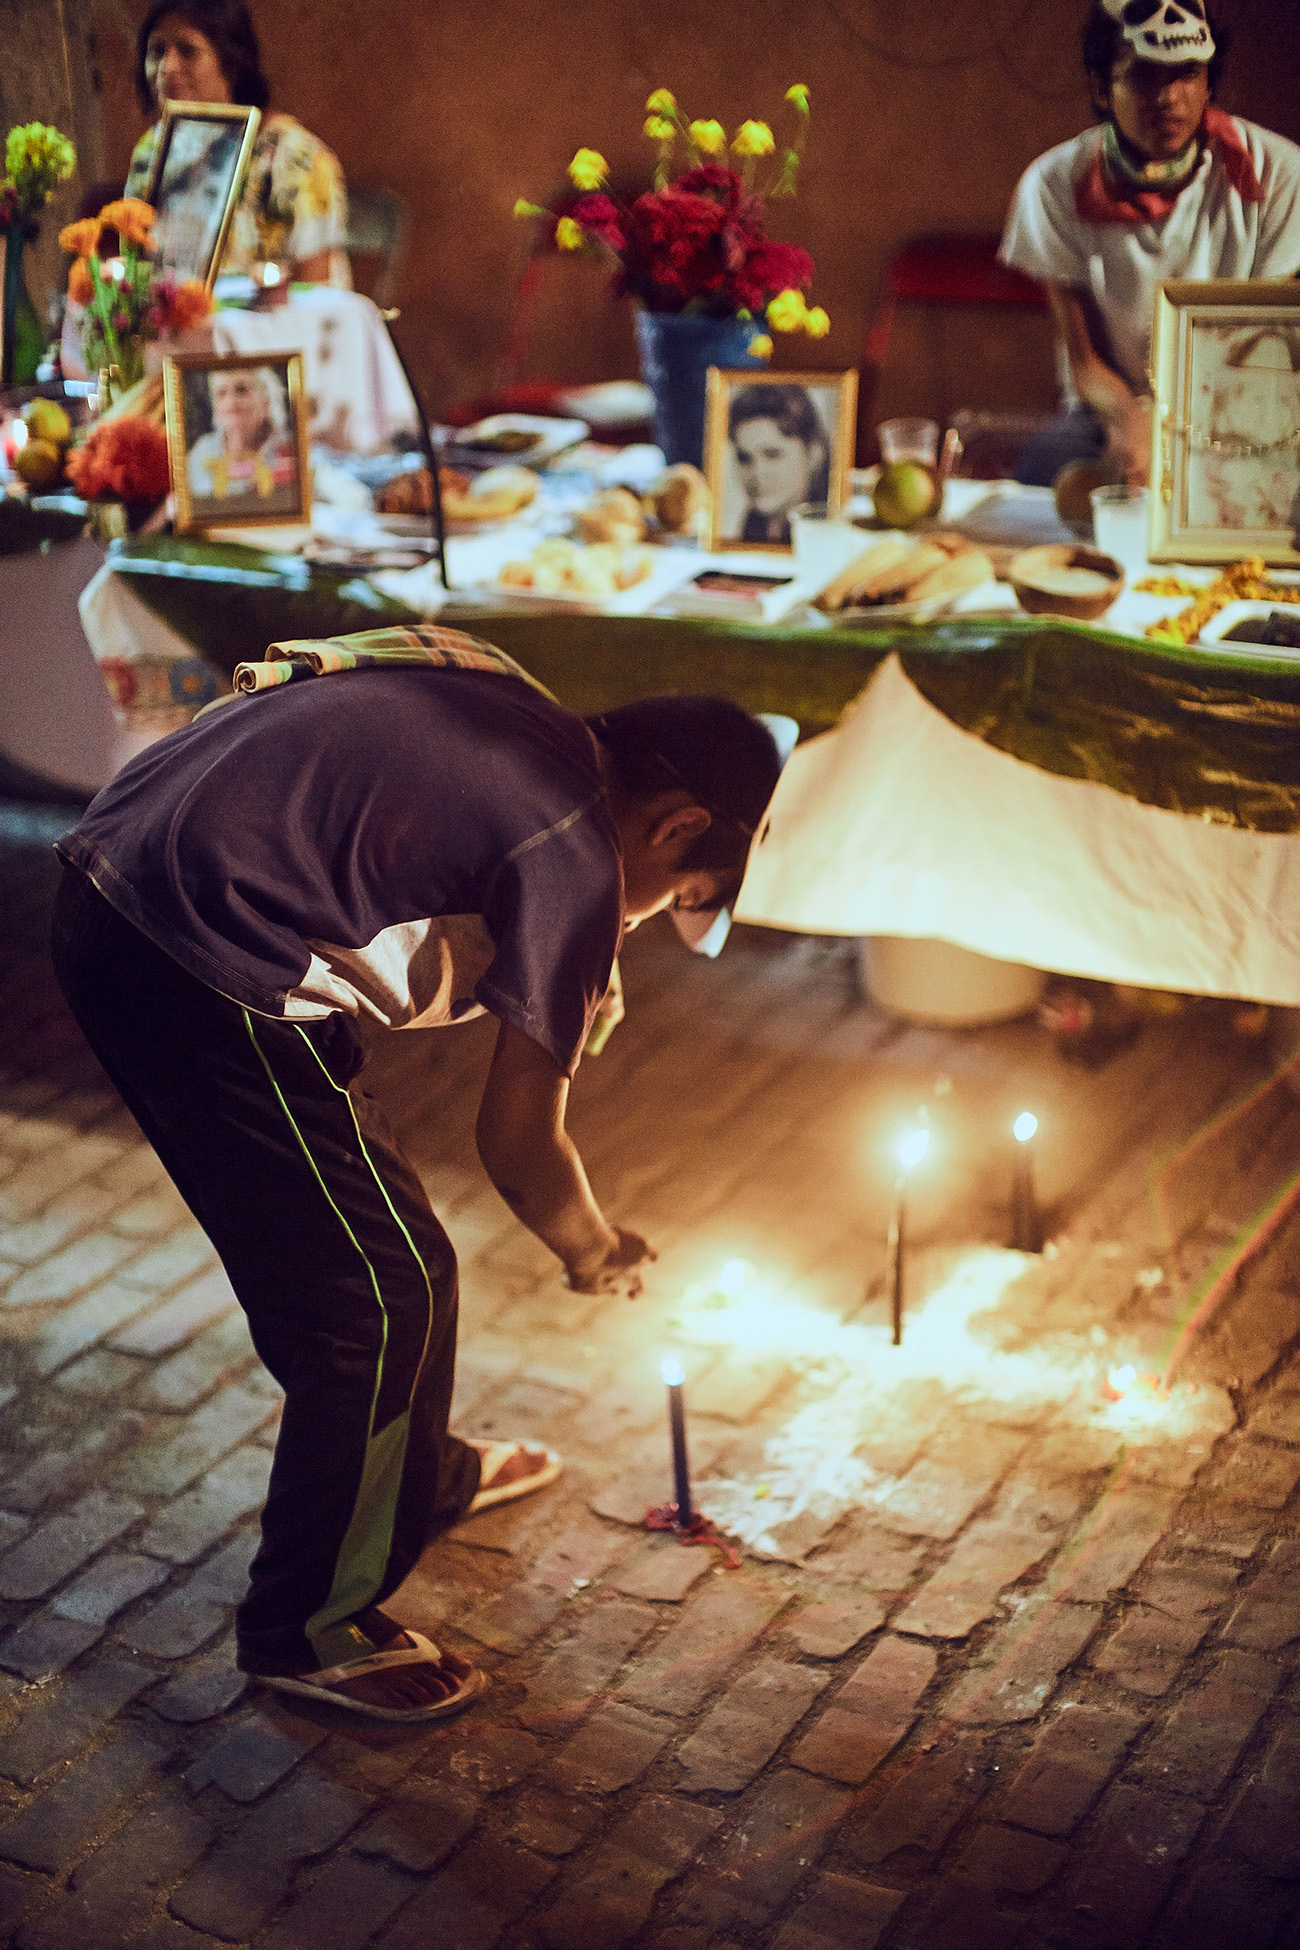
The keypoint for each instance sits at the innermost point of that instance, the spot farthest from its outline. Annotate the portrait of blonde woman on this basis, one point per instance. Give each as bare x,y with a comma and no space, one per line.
241,450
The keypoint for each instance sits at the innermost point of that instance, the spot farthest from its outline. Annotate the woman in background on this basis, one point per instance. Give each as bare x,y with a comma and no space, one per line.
294,208
782,457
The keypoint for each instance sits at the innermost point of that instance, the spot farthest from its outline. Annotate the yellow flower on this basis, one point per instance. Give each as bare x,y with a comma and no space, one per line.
569,235
817,324
760,346
662,102
523,208
753,139
710,138
659,129
799,96
787,311
588,170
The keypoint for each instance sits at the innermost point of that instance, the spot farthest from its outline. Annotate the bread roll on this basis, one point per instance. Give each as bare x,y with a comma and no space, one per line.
613,515
680,500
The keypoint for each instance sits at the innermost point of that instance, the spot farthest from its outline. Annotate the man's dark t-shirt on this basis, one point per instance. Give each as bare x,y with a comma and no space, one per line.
412,844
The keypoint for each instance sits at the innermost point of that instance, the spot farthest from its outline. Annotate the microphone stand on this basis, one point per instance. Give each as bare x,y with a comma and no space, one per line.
439,530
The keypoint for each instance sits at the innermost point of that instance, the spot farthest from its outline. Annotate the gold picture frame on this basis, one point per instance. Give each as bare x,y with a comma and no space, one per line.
1225,435
809,441
264,478
195,183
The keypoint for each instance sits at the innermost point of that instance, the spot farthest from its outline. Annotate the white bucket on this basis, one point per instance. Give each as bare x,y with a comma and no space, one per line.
937,982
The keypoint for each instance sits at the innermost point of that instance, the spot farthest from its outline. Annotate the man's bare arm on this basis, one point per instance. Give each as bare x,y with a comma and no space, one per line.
534,1164
1127,418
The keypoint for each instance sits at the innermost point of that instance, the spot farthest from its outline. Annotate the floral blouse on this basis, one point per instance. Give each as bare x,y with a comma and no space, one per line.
294,204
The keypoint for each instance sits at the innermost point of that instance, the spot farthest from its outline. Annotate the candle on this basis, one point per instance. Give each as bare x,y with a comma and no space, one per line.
674,1377
912,1147
1026,1221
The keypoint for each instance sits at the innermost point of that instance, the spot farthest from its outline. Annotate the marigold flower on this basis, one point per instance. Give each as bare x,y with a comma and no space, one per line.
799,96
753,139
760,346
659,129
191,302
787,311
569,235
710,138
81,287
131,217
82,239
662,102
588,170
816,323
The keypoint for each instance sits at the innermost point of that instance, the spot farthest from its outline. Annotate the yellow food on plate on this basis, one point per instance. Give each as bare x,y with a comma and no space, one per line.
1243,581
613,515
898,571
593,571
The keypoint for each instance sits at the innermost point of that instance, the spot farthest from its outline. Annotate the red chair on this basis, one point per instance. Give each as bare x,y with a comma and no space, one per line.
946,269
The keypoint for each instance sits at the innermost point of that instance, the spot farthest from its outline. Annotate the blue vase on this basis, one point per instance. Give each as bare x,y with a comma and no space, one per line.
677,349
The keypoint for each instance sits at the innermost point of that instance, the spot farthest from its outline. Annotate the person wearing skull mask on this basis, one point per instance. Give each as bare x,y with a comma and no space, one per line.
1169,186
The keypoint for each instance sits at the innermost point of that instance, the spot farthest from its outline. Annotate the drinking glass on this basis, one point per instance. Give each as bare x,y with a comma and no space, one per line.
824,543
1119,525
909,440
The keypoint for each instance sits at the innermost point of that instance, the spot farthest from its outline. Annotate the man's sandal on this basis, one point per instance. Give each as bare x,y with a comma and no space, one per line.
324,1685
493,1455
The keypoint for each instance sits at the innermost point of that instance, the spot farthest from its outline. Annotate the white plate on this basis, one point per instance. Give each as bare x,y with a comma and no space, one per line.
422,525
923,611
672,567
554,437
1212,636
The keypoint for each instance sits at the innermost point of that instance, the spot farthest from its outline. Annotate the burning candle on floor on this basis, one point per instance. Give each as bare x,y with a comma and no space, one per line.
1026,1221
674,1378
912,1147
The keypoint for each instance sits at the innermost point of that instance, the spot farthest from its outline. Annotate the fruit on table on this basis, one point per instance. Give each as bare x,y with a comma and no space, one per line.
46,420
906,491
39,463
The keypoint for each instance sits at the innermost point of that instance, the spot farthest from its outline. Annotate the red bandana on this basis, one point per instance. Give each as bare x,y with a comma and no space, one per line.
1095,201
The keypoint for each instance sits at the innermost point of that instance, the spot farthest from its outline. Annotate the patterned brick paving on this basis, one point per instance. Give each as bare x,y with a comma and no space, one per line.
1005,1663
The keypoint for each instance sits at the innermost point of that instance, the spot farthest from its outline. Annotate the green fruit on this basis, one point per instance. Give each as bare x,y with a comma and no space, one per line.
46,420
905,493
38,463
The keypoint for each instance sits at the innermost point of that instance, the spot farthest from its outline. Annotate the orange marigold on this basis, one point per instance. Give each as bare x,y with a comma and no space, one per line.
131,217
81,287
124,460
81,238
191,303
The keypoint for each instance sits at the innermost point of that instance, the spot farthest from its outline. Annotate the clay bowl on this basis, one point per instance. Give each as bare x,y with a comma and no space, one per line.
1065,579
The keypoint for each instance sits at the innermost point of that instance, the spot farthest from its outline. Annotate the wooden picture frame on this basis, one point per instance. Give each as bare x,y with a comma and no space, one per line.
805,454
195,182
1225,435
230,468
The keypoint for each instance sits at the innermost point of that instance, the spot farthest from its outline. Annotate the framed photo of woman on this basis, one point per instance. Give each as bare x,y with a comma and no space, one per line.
194,186
775,441
236,438
1225,468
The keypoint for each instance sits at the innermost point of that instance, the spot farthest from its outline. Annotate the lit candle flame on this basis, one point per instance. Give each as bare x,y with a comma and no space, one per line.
912,1147
1122,1379
1025,1126
116,269
270,274
672,1371
731,1279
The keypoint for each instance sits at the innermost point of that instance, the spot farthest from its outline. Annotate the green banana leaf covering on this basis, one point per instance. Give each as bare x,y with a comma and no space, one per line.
1215,735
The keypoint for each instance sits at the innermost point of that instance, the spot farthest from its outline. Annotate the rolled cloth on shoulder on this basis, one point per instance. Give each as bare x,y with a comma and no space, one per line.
419,644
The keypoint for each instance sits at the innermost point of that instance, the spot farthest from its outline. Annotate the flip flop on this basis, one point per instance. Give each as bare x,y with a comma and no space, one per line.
323,1685
493,1454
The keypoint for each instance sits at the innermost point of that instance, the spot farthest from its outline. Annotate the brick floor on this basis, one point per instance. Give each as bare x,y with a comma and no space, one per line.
1005,1663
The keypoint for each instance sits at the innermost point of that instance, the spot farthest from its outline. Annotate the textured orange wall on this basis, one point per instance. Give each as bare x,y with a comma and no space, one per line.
924,114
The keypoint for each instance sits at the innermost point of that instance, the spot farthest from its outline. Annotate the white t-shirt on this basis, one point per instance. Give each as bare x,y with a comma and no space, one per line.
1209,233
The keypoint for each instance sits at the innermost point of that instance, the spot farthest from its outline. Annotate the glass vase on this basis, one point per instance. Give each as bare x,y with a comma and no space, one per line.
22,343
677,349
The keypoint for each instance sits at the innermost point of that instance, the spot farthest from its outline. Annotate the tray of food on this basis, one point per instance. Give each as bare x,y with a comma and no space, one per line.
527,439
611,578
1258,628
471,503
899,580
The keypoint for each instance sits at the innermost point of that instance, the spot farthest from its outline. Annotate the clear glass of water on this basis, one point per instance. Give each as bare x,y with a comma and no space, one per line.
824,543
909,440
1119,525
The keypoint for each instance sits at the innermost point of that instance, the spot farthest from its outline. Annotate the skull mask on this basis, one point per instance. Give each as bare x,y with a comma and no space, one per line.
1164,30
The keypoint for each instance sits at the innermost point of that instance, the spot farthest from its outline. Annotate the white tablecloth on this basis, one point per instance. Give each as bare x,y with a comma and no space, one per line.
899,823
359,399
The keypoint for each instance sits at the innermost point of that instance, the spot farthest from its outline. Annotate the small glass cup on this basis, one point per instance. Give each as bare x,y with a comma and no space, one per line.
909,440
823,542
1119,525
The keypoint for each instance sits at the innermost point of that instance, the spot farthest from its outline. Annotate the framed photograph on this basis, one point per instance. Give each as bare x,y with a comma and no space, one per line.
1225,461
195,183
236,438
774,441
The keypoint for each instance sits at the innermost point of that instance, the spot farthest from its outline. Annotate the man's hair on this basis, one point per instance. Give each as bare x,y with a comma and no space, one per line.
1103,40
229,26
709,747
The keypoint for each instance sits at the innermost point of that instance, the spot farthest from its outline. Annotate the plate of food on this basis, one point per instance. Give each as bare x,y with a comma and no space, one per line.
471,503
610,578
525,439
903,580
1253,629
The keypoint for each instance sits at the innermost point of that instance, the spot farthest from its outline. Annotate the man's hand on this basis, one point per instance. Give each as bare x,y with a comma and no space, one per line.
615,1269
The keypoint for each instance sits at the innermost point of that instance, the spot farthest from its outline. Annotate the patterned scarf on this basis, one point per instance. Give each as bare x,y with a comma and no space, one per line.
420,645
1112,191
